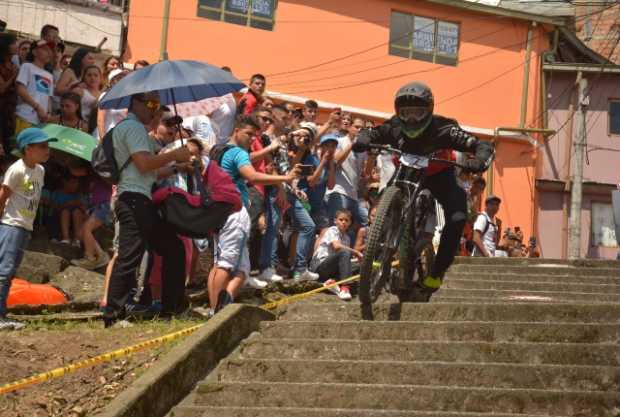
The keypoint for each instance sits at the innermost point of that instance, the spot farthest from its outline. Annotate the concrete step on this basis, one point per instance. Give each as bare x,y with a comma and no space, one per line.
445,331
538,278
257,347
461,374
573,287
196,411
538,312
438,298
577,263
536,269
406,397
516,295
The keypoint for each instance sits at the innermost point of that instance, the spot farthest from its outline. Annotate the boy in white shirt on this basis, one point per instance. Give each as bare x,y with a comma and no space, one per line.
332,256
486,229
35,87
19,199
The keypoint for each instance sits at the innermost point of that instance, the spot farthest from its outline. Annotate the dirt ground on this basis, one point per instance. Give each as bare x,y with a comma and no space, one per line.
45,346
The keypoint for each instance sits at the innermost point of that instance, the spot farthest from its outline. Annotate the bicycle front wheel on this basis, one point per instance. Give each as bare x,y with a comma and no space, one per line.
382,245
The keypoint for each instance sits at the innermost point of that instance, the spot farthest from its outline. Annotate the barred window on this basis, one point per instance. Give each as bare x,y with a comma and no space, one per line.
259,14
424,38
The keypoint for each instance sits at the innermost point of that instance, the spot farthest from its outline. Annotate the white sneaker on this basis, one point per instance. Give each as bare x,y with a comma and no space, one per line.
335,289
344,293
8,324
306,276
269,275
255,283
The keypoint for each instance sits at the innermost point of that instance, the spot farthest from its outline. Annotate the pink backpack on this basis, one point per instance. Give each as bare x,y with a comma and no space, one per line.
199,216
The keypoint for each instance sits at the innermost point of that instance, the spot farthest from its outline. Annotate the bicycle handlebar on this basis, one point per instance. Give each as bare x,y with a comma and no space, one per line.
389,148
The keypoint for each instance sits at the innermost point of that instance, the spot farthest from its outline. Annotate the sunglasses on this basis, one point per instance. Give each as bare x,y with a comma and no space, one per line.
150,104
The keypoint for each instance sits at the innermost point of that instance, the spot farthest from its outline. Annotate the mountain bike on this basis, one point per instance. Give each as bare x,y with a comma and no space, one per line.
398,233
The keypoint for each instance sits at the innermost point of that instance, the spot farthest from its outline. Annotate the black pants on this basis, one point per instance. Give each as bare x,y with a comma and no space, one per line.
257,207
453,199
141,227
336,266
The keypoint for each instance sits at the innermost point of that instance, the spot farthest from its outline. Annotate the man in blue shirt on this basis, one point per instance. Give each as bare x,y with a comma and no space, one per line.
232,263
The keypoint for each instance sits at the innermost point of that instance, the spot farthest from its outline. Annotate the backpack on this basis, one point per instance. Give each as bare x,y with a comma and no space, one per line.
103,161
217,152
199,216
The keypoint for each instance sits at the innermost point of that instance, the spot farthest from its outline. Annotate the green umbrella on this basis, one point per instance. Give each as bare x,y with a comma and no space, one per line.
72,141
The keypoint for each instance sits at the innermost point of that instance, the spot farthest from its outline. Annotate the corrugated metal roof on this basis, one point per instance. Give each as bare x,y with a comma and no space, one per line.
552,8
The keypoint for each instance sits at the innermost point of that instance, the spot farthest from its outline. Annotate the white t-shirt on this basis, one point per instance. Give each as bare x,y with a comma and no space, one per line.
26,184
203,128
87,103
489,238
325,248
111,118
40,86
347,174
224,118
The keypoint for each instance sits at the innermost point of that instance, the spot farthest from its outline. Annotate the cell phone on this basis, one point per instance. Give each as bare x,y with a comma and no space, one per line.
306,170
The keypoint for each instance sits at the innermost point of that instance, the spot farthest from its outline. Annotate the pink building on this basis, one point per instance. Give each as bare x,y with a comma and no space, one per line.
602,162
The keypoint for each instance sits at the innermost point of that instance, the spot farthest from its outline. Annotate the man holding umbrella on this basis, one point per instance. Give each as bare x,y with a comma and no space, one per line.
140,225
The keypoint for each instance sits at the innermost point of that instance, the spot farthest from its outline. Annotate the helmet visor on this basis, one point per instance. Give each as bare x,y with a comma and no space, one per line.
413,114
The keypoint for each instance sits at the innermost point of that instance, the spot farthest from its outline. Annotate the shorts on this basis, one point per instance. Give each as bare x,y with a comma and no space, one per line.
231,244
101,212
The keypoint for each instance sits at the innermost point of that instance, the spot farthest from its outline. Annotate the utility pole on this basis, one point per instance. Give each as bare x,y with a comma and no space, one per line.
579,144
163,47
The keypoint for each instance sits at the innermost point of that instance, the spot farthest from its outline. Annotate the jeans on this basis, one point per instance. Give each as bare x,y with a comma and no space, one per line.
453,199
273,218
336,266
304,225
337,201
141,227
13,242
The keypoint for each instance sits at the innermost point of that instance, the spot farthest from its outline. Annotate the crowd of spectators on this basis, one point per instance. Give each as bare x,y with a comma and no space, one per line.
308,199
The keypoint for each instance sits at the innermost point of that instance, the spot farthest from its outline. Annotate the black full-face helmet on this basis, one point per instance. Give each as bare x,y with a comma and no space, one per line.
414,105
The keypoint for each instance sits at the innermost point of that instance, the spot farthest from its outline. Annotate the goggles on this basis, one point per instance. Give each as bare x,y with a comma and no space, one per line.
413,113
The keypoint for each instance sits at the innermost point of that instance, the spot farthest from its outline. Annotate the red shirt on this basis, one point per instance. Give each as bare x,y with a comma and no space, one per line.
260,165
250,100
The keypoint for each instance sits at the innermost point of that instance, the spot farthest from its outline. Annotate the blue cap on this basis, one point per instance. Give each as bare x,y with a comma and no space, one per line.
31,136
329,137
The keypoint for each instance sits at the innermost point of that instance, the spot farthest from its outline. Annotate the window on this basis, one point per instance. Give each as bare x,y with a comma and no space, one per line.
603,225
258,14
424,38
614,117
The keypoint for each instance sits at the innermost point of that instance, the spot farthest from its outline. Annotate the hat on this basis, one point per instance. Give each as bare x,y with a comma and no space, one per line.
114,73
42,42
493,198
169,118
310,127
329,137
31,136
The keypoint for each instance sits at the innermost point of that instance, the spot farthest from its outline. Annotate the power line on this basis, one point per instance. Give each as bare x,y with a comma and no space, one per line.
277,84
387,43
65,11
408,74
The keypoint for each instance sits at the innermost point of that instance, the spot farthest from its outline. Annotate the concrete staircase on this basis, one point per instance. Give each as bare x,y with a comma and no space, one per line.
504,338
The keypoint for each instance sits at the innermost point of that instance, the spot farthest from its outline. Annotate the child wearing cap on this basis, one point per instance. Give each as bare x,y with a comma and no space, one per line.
35,87
19,200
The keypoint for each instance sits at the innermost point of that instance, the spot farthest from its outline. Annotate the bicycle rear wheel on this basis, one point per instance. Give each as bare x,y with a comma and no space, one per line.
382,246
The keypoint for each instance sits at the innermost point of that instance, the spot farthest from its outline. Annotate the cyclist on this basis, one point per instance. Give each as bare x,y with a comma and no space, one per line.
416,130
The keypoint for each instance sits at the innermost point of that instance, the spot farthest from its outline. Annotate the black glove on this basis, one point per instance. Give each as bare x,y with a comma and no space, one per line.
475,165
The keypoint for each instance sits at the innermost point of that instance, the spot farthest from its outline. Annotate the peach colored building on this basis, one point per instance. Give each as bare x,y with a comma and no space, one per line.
482,59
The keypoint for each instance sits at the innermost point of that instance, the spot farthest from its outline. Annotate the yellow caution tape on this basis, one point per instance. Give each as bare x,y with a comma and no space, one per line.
106,357
297,297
